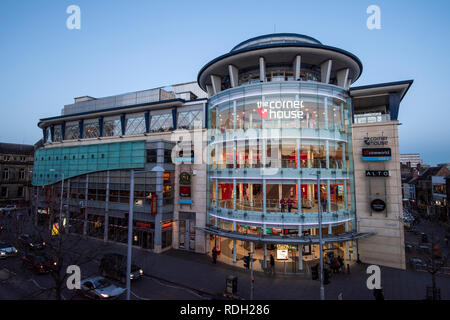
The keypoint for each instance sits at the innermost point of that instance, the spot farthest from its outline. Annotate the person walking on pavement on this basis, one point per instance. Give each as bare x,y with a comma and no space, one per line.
272,264
214,255
324,204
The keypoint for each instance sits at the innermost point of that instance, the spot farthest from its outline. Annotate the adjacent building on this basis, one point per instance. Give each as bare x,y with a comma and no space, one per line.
16,164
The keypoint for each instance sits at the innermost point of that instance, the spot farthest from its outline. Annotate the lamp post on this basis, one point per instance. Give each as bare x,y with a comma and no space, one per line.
130,222
319,210
61,200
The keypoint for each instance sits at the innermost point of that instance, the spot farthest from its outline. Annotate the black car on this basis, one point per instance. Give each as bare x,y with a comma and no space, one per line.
114,265
39,263
28,242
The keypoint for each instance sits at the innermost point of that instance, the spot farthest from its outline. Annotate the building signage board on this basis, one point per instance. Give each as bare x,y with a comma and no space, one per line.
185,191
378,205
377,173
376,141
376,154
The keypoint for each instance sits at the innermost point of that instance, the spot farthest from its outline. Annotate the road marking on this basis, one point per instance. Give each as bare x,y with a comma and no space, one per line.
140,298
37,284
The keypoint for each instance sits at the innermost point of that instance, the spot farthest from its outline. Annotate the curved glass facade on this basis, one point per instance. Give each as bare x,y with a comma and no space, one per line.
266,143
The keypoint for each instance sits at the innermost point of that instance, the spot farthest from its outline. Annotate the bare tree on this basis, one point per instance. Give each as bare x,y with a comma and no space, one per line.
435,261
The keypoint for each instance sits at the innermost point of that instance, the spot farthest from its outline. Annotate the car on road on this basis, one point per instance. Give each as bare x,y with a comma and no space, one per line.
7,250
99,288
39,263
2,228
28,242
8,208
114,265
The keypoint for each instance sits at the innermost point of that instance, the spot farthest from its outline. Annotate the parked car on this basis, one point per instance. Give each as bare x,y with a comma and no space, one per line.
28,242
8,208
99,288
114,265
39,263
7,250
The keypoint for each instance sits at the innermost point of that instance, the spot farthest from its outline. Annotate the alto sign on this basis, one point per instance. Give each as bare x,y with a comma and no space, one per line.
289,109
377,173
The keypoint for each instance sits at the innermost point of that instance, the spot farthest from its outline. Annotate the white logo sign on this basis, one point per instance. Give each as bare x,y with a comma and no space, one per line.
373,21
73,281
280,109
374,281
74,20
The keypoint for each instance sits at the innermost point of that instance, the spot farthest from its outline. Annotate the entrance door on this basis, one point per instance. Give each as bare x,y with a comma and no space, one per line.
192,235
182,234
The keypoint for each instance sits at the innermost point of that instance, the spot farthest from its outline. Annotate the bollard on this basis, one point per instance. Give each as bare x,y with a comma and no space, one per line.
348,268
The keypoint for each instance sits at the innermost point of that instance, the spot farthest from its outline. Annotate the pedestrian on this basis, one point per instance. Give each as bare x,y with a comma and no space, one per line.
272,264
341,263
378,294
289,204
282,204
214,255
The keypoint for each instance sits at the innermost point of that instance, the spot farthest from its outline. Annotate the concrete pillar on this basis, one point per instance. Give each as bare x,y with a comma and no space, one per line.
265,247
327,154
233,72
328,196
349,83
216,83
210,91
106,222
264,204
347,249
262,69
342,78
297,67
325,69
300,249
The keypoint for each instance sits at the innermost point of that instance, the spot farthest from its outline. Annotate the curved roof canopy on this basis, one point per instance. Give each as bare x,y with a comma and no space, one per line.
280,48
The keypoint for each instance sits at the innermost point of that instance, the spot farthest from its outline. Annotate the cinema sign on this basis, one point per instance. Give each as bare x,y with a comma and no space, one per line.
376,154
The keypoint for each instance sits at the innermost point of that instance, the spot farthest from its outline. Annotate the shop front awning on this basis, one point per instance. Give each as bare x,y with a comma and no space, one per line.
288,239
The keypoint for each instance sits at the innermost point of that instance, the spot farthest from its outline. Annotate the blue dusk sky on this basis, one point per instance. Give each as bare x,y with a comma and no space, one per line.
125,46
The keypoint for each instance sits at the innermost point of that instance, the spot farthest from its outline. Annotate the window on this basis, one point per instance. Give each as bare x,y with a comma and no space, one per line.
48,134
151,156
72,131
6,174
22,174
161,122
20,192
57,133
135,124
91,129
189,119
4,192
112,126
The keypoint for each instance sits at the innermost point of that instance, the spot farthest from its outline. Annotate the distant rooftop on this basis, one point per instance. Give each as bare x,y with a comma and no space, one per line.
13,148
275,38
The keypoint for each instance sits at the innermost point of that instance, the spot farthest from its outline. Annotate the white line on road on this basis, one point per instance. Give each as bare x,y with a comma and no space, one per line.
37,284
140,298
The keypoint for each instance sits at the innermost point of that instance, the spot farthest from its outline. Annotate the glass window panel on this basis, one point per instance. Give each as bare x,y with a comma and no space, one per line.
134,124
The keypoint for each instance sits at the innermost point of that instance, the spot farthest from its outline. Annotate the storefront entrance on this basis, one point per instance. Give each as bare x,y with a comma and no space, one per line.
186,234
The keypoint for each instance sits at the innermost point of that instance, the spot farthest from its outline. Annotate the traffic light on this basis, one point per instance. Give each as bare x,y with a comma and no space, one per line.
247,261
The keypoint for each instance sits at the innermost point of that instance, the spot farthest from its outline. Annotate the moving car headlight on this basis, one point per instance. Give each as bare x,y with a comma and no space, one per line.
141,272
2,253
104,295
43,243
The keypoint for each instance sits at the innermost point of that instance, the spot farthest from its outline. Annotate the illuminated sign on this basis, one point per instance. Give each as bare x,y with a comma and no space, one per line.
376,154
185,191
377,173
375,141
378,205
185,178
280,109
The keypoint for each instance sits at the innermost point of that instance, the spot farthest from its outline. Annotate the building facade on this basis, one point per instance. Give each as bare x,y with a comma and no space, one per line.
90,150
287,140
16,164
269,149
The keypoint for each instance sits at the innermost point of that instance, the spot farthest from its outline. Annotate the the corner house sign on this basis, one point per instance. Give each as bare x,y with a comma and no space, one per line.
376,141
185,178
378,205
290,109
378,154
377,173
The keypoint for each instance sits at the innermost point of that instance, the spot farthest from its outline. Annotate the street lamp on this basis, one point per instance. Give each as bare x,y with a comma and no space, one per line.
61,200
130,221
319,210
